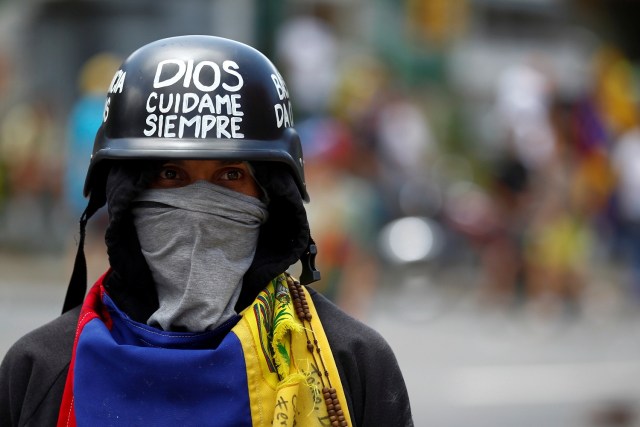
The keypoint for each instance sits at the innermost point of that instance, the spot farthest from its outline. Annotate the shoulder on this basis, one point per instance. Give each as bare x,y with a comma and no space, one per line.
344,331
369,371
34,369
49,342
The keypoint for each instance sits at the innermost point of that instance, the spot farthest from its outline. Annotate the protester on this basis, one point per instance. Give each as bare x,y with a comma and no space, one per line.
197,321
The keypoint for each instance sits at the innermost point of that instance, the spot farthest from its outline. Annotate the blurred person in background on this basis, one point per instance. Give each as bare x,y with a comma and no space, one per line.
616,98
85,119
626,165
197,321
308,50
349,259
558,238
334,160
502,252
34,175
5,77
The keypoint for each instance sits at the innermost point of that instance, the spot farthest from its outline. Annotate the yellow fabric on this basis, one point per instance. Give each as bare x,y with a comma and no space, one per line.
284,379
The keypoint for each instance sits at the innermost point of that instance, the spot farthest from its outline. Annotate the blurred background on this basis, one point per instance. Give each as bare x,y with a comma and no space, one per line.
474,170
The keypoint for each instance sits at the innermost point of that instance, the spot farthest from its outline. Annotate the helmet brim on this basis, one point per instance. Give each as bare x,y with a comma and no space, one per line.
279,150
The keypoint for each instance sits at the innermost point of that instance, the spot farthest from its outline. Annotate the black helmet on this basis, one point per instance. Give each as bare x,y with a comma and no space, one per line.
197,97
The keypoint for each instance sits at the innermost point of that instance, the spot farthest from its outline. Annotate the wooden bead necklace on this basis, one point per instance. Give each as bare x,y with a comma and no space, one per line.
334,409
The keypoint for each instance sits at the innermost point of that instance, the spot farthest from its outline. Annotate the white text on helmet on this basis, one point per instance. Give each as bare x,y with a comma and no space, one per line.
204,76
117,83
116,86
188,102
207,125
283,110
281,87
284,115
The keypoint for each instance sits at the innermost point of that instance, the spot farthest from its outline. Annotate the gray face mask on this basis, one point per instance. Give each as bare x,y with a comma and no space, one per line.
199,241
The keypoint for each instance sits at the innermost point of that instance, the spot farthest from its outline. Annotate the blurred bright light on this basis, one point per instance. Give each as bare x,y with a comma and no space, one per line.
410,239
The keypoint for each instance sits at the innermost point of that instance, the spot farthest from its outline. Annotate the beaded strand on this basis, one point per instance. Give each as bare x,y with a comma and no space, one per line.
334,408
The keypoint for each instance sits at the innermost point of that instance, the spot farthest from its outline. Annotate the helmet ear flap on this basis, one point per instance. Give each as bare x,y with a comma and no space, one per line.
96,183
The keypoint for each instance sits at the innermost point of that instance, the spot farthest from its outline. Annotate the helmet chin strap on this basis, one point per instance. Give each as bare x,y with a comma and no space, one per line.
309,272
78,283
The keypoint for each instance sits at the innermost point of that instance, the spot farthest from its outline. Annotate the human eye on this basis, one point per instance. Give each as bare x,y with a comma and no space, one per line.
169,176
168,173
236,176
232,174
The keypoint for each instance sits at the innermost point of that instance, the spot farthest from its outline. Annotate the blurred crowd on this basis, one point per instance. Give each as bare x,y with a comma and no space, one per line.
533,187
543,208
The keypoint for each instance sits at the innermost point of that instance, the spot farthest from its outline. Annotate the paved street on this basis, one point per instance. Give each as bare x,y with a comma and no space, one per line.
470,365
464,364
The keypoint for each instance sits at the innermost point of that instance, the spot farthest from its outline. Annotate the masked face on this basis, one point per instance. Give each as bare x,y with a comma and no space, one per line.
198,238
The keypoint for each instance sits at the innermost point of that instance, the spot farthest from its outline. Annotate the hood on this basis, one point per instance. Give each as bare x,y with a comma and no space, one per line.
283,239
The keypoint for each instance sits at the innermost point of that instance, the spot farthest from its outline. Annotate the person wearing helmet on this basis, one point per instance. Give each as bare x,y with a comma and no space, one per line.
197,321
